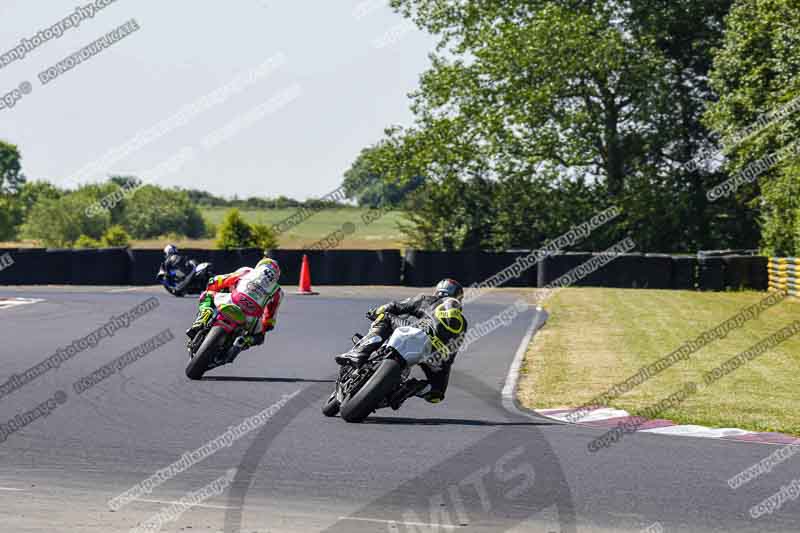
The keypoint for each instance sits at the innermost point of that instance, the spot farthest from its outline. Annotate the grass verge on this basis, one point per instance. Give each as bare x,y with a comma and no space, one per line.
381,233
597,337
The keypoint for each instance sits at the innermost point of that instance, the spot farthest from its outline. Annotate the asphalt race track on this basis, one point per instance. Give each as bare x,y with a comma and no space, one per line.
467,464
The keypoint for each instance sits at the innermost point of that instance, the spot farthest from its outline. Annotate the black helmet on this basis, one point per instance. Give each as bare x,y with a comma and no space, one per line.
448,315
450,288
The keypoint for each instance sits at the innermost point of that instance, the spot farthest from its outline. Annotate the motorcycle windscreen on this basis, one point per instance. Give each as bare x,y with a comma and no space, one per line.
412,343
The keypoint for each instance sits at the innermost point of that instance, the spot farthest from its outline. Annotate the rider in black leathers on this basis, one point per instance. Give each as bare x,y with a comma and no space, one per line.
439,315
173,260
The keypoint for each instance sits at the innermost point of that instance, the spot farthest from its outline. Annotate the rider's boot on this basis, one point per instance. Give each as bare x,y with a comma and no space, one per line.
379,331
361,351
204,314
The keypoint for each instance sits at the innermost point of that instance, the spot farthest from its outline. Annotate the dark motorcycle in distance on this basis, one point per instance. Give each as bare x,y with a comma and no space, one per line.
382,379
193,280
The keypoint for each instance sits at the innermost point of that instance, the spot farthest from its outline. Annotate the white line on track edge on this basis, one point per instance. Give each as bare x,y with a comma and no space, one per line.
16,302
512,378
126,289
396,522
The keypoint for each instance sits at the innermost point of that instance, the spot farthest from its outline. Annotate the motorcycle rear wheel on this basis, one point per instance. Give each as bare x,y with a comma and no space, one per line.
362,404
199,362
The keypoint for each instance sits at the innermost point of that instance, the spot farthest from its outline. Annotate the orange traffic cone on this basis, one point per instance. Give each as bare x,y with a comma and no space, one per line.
305,278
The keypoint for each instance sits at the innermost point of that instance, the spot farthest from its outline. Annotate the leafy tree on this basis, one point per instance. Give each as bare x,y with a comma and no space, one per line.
687,33
532,210
282,202
437,213
87,242
369,188
116,236
126,182
360,180
264,237
10,215
234,232
32,191
543,82
14,208
756,72
152,211
11,177
601,99
60,222
444,216
205,198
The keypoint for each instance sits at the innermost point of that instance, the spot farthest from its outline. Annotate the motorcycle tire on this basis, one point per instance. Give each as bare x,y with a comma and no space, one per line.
362,404
331,406
198,364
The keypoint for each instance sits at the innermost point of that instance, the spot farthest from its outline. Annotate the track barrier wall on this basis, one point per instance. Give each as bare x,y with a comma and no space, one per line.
416,268
424,268
684,273
784,274
341,267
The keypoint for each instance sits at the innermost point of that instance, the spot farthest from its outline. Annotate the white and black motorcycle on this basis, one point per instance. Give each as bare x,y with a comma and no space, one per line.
363,388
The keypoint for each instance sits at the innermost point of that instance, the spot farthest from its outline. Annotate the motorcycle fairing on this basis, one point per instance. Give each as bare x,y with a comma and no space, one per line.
224,300
413,344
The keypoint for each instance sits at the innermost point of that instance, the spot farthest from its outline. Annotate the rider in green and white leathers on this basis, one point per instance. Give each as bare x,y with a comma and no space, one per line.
260,297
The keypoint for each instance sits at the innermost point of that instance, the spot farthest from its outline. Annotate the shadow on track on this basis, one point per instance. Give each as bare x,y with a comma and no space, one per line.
266,380
447,422
540,491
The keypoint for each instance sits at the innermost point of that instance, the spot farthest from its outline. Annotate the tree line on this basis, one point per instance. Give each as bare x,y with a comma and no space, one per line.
113,213
536,114
123,208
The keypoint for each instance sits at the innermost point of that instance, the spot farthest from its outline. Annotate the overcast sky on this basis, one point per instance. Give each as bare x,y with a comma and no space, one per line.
247,97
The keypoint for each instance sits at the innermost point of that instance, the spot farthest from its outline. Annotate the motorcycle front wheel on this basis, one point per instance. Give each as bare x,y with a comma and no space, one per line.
212,344
385,380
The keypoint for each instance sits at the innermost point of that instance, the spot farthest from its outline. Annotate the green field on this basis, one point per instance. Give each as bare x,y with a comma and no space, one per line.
597,337
381,233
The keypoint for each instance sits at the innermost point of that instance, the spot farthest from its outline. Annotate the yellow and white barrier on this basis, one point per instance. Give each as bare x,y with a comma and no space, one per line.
784,274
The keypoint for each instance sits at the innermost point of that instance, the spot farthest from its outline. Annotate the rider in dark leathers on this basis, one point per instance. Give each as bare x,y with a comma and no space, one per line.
439,315
173,260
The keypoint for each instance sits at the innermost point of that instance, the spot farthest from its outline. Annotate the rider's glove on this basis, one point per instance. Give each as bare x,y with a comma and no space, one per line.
373,313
